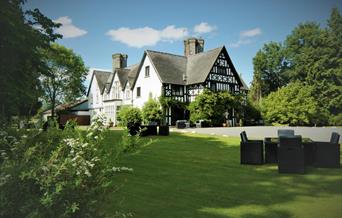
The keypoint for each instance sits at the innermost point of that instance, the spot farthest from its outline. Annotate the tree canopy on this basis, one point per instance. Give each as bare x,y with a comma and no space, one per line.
64,80
269,65
23,33
311,55
292,105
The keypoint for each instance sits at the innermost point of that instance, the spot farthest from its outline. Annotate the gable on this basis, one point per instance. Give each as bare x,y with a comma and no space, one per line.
101,78
140,68
132,75
199,65
223,71
170,67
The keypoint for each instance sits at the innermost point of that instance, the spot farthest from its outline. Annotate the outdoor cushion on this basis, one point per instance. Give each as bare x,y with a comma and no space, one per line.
285,132
243,136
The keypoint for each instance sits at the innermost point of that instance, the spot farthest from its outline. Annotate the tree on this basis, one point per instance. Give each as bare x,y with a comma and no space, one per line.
251,112
212,106
316,60
293,104
151,111
269,65
311,55
64,80
20,61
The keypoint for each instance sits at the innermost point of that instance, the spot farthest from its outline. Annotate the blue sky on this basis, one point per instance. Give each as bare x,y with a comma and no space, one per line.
97,29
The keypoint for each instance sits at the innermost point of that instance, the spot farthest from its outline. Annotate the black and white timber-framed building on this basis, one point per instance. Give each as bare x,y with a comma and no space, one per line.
179,77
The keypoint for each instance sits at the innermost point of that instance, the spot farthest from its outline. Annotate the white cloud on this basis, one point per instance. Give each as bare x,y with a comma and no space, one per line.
68,30
146,36
246,37
172,33
240,42
251,33
204,28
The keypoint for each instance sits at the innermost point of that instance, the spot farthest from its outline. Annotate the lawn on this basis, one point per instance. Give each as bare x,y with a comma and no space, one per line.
192,175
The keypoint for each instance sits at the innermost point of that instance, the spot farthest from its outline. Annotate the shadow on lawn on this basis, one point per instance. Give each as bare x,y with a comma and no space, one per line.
201,176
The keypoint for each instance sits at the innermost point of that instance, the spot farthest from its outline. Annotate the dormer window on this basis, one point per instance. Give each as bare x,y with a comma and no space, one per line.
147,71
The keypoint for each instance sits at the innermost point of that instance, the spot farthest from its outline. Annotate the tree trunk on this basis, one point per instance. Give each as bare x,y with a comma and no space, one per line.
53,104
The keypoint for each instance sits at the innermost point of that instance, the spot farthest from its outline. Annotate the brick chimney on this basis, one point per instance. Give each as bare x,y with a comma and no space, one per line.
193,46
119,60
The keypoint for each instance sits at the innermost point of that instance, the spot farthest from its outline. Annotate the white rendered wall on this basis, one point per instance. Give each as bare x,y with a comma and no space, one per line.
150,86
95,103
110,107
127,95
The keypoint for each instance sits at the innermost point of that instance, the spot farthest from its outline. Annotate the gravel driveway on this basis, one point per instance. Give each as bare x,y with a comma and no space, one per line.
260,132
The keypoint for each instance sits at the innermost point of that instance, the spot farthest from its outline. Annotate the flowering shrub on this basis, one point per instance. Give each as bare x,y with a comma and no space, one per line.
129,142
55,173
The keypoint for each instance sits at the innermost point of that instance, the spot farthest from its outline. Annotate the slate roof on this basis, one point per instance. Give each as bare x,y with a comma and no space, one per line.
101,78
123,75
109,83
133,74
199,65
171,68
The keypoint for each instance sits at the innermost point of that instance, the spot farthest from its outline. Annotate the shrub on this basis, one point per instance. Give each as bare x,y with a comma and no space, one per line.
336,120
54,173
151,111
211,106
129,142
293,104
129,115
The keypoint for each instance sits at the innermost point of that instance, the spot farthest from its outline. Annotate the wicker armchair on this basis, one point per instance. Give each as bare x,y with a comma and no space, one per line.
291,155
327,154
251,151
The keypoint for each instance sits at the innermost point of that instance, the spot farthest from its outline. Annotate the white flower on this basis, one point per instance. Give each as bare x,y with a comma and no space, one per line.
119,169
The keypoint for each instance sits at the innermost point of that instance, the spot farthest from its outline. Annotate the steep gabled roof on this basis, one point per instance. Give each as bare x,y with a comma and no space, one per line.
199,65
101,78
123,76
244,85
132,75
170,67
173,69
109,83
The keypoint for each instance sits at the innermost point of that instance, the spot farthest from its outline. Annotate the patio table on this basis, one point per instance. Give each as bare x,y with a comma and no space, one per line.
271,150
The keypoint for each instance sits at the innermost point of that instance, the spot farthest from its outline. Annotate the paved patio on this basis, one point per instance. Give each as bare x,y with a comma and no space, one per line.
260,132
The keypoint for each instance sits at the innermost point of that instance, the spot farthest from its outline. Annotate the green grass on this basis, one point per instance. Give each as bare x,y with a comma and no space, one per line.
188,175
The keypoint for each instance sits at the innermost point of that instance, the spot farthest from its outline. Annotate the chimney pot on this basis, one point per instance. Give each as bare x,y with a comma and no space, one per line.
119,60
193,46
